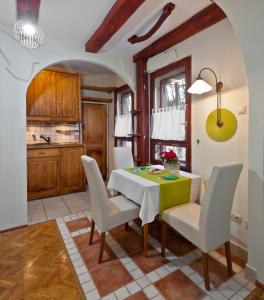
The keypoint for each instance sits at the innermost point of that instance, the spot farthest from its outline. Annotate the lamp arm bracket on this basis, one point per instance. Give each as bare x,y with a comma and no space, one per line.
218,84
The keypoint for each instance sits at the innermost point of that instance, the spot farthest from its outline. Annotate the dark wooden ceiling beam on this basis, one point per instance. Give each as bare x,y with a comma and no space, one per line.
200,21
120,12
26,6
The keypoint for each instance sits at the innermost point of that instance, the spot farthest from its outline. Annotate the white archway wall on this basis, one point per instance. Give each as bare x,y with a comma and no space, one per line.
248,22
13,173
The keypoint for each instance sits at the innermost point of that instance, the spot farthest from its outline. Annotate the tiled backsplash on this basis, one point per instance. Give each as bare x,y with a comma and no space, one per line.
51,131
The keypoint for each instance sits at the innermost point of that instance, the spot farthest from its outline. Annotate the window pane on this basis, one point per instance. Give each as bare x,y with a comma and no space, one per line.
173,91
169,117
124,104
180,151
122,143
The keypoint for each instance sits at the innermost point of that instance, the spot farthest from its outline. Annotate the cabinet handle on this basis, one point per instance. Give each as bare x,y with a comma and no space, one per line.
41,152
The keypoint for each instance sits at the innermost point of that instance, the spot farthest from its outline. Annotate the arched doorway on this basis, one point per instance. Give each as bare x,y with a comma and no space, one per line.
70,104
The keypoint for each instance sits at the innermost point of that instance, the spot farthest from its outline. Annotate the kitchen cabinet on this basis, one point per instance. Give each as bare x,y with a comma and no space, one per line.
41,98
54,171
43,173
54,96
68,97
72,176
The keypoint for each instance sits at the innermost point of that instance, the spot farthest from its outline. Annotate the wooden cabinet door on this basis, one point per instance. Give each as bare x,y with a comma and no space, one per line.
95,133
41,100
68,97
43,177
72,174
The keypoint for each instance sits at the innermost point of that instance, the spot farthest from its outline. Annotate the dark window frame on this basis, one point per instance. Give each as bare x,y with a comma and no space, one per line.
184,63
123,90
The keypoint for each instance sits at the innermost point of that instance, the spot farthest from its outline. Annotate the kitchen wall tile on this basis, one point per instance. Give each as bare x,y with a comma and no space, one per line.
51,131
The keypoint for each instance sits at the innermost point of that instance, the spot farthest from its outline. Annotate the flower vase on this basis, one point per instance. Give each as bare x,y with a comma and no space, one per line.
172,167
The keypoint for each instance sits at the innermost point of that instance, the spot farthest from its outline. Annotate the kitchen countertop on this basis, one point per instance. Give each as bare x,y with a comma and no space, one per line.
53,145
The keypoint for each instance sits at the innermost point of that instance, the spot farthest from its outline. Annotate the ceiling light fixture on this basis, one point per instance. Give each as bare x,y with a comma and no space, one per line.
26,28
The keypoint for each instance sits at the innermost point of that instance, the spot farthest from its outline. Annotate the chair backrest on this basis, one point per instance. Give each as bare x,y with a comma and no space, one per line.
217,205
123,157
97,190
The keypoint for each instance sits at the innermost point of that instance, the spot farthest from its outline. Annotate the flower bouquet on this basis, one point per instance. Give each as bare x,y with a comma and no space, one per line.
171,162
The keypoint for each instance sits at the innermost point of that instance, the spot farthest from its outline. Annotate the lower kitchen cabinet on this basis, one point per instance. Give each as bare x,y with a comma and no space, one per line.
72,178
55,171
43,177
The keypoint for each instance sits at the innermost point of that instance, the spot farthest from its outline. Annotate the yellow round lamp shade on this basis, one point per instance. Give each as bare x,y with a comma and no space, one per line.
227,131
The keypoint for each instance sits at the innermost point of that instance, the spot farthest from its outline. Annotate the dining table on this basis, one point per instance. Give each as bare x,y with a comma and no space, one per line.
148,191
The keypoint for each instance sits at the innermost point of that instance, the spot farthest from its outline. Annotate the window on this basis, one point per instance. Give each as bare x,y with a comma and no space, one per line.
125,103
124,124
171,112
173,91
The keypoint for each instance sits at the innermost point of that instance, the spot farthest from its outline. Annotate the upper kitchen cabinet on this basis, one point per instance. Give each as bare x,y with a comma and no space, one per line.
68,97
54,96
41,98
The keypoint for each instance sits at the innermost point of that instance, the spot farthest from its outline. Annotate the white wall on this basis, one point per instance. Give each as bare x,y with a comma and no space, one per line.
248,22
105,81
217,48
13,173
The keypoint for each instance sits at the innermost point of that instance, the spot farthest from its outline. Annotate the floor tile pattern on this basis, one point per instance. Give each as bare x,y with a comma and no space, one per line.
126,274
40,211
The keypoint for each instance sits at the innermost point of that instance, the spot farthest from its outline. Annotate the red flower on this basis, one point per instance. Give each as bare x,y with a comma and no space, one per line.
169,155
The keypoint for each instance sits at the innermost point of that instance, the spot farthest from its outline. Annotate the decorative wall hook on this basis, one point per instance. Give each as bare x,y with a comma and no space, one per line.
167,9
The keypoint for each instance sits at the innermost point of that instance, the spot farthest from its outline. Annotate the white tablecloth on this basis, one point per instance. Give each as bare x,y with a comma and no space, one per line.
145,192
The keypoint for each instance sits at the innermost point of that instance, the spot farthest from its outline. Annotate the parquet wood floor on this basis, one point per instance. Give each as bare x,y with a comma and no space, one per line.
34,265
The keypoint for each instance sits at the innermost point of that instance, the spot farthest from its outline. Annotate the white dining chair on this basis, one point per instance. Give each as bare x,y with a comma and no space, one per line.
123,158
106,213
208,225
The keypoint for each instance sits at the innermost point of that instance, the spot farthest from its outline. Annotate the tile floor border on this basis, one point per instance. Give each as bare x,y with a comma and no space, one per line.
236,287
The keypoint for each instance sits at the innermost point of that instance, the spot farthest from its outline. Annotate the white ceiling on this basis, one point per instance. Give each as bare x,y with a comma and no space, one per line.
83,67
74,21
146,16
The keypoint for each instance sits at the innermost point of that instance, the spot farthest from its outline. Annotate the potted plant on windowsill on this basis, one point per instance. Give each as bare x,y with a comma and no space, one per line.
171,162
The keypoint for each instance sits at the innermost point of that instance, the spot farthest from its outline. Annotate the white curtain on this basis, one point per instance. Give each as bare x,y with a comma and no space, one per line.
168,124
123,125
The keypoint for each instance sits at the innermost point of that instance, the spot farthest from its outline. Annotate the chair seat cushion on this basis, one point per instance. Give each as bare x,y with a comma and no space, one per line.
121,210
184,219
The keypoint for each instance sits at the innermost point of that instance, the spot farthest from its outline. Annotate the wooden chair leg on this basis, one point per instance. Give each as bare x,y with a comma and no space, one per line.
228,258
145,239
101,252
126,226
92,233
206,271
163,237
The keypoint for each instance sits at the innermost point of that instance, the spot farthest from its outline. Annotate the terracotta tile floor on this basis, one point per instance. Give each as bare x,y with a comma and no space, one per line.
126,274
177,286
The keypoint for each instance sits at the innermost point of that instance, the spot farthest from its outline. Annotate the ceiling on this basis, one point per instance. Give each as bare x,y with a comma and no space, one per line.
146,16
83,67
73,22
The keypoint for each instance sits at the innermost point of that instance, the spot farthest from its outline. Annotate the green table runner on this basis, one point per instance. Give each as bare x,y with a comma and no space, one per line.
172,192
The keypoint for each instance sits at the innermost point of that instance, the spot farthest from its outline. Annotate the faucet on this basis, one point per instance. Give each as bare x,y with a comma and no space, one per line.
45,138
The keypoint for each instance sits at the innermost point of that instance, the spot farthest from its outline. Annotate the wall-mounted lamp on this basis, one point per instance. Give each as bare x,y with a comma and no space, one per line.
200,87
221,124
